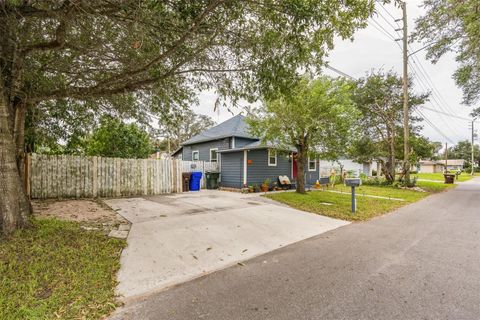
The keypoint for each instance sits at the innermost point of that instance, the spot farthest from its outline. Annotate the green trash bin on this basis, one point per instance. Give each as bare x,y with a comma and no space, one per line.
212,179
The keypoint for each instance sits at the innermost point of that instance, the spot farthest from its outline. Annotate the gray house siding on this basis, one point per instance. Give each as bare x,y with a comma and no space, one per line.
241,142
204,149
232,169
259,169
311,177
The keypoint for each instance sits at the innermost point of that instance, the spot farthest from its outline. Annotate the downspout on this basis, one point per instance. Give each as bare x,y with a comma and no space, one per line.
244,167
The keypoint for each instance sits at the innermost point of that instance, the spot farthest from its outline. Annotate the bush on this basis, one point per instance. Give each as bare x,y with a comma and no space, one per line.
375,181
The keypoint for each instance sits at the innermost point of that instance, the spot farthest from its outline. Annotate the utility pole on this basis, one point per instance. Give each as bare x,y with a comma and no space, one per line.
446,157
473,148
406,127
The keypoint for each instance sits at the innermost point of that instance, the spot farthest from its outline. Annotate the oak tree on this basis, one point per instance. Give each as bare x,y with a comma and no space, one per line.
316,118
454,26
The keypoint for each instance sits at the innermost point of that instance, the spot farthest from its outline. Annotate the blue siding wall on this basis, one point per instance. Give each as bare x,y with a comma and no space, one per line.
241,142
232,169
311,177
259,170
204,149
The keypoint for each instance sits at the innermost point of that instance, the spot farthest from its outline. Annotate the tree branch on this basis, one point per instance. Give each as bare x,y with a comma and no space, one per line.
186,35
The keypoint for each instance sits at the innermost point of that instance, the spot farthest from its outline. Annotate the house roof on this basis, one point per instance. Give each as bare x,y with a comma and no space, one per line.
233,127
257,145
450,162
174,153
430,162
455,162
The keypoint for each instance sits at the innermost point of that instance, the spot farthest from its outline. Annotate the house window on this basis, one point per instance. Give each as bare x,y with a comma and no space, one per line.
312,164
195,155
213,155
272,158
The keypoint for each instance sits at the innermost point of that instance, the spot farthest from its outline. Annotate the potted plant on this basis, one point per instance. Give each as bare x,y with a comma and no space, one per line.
251,189
256,188
265,185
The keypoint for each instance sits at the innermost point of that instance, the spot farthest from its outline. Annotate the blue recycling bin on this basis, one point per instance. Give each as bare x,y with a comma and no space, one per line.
195,181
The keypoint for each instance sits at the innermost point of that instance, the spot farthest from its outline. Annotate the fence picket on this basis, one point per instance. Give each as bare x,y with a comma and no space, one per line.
66,176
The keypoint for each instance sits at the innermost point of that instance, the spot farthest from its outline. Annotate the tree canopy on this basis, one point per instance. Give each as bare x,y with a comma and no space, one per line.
379,97
463,150
454,26
114,138
316,118
179,125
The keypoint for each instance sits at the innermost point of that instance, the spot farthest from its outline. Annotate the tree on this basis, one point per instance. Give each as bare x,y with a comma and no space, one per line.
316,118
463,150
379,97
180,124
156,53
454,26
120,140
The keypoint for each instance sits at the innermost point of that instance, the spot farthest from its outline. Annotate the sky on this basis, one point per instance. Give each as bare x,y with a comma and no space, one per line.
373,48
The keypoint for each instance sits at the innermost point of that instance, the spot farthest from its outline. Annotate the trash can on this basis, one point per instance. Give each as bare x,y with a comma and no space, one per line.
212,179
195,181
449,178
186,181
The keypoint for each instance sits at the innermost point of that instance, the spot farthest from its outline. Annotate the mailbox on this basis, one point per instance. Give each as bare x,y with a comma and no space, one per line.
353,182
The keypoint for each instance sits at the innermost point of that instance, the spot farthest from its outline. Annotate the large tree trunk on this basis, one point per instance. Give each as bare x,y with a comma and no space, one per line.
14,205
301,163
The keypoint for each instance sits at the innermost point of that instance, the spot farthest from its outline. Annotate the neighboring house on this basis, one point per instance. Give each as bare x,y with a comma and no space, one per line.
455,164
349,165
430,166
434,166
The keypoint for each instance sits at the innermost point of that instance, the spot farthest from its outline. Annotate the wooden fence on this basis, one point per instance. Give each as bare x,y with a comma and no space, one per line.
86,177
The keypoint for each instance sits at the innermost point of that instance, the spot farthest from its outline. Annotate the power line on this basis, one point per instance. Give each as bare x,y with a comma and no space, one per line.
415,59
340,72
433,126
421,71
447,114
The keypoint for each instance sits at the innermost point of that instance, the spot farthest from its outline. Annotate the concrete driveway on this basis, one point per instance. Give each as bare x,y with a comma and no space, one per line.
175,238
419,262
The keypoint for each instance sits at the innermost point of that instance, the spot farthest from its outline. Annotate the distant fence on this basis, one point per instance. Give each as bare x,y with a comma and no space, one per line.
86,177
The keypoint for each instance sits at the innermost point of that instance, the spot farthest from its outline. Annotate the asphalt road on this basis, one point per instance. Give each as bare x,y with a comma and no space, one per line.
420,262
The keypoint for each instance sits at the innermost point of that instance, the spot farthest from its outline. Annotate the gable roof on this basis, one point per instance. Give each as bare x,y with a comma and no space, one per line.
233,127
455,162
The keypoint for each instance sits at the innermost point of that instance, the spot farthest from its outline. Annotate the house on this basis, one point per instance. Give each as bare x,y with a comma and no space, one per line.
430,166
455,164
348,165
242,158
433,166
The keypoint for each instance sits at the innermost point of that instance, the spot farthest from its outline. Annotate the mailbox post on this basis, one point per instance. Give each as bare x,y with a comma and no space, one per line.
353,182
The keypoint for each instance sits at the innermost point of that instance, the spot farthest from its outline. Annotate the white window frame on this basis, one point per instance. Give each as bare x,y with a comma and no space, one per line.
269,156
193,157
314,162
216,152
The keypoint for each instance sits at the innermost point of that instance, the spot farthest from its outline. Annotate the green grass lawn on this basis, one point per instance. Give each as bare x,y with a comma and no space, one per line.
434,187
56,270
439,176
338,206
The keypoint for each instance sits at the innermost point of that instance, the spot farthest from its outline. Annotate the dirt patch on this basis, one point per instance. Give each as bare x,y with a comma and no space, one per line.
87,212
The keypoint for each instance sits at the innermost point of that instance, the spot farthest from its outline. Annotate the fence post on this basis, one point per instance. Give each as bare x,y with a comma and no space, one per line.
94,176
